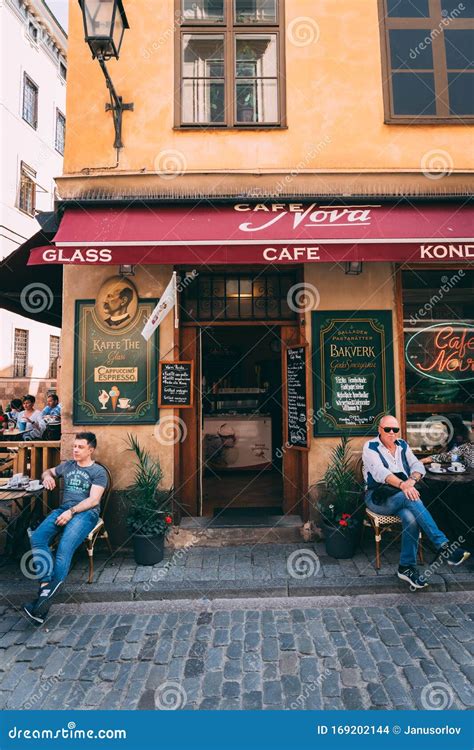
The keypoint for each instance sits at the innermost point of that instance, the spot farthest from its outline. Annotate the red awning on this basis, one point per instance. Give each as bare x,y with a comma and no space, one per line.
261,233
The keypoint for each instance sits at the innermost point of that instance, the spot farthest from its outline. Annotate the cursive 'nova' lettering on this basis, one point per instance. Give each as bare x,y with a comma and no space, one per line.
313,215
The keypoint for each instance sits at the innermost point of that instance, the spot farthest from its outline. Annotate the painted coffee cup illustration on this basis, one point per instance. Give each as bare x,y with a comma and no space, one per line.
124,403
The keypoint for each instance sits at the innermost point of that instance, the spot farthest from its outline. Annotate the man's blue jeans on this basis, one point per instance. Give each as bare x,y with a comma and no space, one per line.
72,535
414,516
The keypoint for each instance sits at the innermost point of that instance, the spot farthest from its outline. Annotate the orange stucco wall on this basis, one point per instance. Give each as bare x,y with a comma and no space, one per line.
334,94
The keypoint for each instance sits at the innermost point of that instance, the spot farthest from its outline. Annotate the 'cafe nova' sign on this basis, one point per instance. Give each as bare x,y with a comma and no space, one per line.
307,216
443,352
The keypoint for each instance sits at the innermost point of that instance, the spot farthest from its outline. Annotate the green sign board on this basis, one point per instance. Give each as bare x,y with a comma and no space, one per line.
115,369
352,370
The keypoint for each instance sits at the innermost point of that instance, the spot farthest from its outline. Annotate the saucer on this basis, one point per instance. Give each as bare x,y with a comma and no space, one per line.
437,471
458,471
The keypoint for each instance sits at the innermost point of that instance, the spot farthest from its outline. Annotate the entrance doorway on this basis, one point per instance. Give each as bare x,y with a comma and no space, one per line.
242,418
234,459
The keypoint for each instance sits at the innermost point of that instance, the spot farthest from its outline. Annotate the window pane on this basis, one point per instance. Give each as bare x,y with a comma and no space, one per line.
203,10
455,9
256,55
460,49
252,11
257,101
413,94
410,49
30,102
60,132
408,8
203,84
461,93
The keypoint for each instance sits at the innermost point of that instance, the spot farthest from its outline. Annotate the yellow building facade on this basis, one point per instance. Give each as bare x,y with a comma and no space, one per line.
293,103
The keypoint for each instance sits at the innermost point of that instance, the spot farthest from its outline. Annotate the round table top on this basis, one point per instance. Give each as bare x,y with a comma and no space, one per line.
450,476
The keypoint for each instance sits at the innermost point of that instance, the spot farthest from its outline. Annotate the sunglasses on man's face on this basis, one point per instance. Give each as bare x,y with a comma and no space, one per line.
391,429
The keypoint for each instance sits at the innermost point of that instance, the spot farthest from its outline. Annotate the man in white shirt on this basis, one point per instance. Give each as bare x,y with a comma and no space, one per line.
391,473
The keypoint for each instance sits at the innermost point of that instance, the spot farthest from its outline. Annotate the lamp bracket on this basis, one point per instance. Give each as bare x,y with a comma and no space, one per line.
116,105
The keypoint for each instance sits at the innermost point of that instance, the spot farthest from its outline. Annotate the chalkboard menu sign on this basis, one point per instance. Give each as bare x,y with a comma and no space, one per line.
352,371
296,396
176,385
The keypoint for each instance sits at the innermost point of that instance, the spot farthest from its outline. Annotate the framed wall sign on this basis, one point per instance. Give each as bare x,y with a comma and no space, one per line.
352,363
114,367
176,384
296,392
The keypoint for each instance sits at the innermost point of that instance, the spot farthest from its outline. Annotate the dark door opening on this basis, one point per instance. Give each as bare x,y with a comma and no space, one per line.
241,422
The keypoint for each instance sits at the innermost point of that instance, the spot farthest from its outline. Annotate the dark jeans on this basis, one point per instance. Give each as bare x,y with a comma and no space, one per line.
414,516
72,535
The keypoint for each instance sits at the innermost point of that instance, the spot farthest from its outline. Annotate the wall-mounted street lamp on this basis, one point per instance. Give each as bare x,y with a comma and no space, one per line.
104,26
353,268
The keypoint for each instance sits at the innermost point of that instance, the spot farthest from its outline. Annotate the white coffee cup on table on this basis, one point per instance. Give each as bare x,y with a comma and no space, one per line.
435,466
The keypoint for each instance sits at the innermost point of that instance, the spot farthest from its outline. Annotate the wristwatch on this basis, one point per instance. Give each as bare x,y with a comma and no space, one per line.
73,511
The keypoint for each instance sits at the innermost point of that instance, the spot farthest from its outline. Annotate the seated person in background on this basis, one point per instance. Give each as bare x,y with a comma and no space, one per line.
391,473
84,485
459,446
35,424
13,410
53,408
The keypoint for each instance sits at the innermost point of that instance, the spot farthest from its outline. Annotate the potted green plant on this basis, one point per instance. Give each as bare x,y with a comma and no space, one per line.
148,515
339,504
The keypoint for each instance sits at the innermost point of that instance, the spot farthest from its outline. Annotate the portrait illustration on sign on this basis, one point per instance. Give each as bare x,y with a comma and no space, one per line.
117,304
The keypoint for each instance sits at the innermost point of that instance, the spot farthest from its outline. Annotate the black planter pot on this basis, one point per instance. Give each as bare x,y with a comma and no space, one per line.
148,550
341,542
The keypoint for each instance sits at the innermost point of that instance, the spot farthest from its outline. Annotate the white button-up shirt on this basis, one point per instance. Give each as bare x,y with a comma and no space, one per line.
373,465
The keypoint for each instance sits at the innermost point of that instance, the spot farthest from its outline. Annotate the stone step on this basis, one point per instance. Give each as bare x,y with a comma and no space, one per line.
200,532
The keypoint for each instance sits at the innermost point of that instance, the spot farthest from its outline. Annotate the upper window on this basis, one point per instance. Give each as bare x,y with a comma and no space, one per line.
60,131
27,197
30,102
53,356
20,353
33,31
428,60
230,63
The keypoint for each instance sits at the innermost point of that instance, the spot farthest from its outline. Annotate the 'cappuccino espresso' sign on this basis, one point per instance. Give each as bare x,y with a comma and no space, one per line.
352,370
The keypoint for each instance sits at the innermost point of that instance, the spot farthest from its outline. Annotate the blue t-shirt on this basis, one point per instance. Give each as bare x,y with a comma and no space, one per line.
52,411
78,481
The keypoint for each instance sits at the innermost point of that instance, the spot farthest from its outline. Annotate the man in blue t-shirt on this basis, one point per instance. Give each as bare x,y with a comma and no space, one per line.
84,484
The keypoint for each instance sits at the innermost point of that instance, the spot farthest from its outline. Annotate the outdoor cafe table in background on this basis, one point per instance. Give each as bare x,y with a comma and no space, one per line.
27,511
452,504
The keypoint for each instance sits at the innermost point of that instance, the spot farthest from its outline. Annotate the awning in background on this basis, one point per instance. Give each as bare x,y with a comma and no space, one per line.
261,233
33,292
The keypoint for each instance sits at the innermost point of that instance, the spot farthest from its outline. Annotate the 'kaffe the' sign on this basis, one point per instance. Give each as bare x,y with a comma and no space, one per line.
352,371
296,396
114,367
176,384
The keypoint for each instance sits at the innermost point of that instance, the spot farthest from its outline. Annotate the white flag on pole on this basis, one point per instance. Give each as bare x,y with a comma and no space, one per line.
168,300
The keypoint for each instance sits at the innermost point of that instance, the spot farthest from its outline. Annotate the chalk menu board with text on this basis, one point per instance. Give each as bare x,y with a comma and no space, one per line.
176,385
296,389
353,379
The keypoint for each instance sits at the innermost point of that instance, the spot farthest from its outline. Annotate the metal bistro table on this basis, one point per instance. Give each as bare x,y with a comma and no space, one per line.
452,504
30,512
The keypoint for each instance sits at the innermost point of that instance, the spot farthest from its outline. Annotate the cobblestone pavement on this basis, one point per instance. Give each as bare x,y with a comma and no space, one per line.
264,569
406,652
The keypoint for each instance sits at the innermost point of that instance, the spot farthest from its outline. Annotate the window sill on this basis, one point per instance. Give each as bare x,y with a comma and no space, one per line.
468,120
224,128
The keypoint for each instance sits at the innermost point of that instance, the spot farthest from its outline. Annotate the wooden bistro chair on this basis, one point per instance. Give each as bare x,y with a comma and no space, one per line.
99,531
381,523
